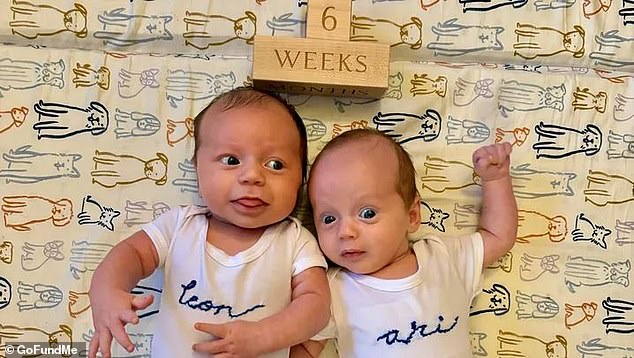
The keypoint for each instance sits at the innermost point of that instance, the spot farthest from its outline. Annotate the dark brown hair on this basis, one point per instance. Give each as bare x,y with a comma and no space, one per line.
241,97
406,176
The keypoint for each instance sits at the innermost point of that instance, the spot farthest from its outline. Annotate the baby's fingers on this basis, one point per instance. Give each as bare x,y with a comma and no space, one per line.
120,335
105,339
94,346
142,302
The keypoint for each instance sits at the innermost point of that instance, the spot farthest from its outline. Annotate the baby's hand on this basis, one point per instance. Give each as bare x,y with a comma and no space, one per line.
110,315
492,162
232,339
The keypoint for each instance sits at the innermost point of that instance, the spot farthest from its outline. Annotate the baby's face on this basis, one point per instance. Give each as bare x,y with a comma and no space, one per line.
362,222
248,164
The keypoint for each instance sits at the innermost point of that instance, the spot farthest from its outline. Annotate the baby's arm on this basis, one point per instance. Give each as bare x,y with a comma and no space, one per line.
304,317
498,220
112,304
308,349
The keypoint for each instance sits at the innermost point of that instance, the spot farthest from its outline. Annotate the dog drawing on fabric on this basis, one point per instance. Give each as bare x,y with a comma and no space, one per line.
468,91
619,316
576,314
604,188
584,99
488,5
516,137
592,272
535,306
203,31
179,130
533,267
57,120
455,39
12,335
388,32
529,183
594,348
533,225
22,211
12,118
556,141
518,96
496,300
121,29
86,76
541,41
31,20
620,146
122,169
441,175
135,124
422,85
35,256
25,166
513,345
466,131
38,296
130,83
623,108
139,212
196,85
28,74
406,127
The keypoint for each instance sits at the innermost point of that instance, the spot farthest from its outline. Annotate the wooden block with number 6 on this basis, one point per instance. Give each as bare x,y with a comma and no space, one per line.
320,67
329,19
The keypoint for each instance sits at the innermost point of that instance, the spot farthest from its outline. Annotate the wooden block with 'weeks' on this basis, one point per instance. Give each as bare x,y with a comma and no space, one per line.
320,67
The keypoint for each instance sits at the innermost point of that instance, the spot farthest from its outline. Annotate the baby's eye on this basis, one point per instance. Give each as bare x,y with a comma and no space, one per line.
367,213
274,164
229,160
328,219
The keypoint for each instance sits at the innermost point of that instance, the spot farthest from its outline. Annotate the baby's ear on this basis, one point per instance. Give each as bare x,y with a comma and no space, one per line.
414,215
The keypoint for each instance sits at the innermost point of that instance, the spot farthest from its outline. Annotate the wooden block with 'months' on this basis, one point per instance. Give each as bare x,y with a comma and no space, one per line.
322,66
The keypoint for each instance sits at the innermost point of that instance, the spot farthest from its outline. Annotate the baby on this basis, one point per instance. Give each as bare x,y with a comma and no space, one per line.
241,277
391,297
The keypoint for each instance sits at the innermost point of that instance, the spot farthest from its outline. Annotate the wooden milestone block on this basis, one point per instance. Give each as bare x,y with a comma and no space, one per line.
329,19
320,67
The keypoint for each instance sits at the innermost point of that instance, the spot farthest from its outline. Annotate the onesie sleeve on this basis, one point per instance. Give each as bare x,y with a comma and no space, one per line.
307,253
330,331
161,231
468,255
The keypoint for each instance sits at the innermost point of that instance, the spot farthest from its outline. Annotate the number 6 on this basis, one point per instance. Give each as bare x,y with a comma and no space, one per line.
328,18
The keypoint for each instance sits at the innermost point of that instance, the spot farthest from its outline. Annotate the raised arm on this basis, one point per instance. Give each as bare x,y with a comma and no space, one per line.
498,220
113,306
304,317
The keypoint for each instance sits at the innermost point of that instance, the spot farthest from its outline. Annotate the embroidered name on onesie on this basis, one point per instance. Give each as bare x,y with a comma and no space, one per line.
416,331
208,305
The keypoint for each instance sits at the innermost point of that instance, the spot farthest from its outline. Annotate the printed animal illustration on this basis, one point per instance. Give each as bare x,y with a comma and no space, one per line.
455,39
594,348
388,32
142,345
12,118
121,29
6,252
516,137
529,183
604,189
553,4
203,31
22,211
621,146
337,128
38,296
10,335
25,166
542,41
585,100
623,108
20,74
593,7
139,213
505,263
394,83
532,267
78,303
624,231
93,213
513,345
525,97
593,272
609,50
315,129
555,141
576,314
441,175
586,230
466,216
85,256
535,306
195,86
132,83
136,124
475,340
287,22
496,300
433,217
122,169
188,180
86,76
5,292
613,76
422,85
488,5
619,316
35,256
466,131
57,120
406,127
179,130
466,91
533,225
31,20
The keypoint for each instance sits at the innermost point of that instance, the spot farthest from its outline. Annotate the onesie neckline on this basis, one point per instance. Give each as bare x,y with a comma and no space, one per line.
391,285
